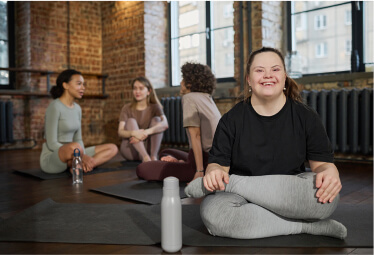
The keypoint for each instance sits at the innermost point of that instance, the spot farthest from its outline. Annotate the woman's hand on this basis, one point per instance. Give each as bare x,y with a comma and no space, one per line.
215,177
88,163
327,181
140,134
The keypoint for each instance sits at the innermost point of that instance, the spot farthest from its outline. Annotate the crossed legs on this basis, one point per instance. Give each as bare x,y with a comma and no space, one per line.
263,206
143,150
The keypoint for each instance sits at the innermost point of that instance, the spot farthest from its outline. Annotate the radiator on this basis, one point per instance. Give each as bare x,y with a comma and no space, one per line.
6,122
175,134
347,116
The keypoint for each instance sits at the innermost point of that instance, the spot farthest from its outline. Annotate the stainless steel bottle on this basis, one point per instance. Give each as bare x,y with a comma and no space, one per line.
171,216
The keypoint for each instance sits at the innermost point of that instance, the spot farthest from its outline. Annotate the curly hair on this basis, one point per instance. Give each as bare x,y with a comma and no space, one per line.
292,89
198,78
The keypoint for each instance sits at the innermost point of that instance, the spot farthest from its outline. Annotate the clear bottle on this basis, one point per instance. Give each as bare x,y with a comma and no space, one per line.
171,216
77,167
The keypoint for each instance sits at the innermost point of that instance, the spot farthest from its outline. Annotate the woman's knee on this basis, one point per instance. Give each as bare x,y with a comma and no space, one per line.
131,124
218,209
155,120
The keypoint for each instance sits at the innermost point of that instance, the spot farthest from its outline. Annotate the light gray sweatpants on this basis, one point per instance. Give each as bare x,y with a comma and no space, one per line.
263,206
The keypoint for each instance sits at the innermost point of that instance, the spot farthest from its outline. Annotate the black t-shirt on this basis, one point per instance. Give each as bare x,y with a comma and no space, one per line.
254,145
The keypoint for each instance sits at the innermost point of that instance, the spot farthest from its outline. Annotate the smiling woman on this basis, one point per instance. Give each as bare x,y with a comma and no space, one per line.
258,158
63,131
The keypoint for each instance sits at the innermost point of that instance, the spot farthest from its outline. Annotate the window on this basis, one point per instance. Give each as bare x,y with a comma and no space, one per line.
347,27
6,43
348,17
202,32
320,22
321,50
348,47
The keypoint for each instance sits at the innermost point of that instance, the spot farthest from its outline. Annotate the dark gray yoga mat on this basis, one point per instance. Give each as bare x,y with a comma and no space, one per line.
49,221
137,224
140,190
108,167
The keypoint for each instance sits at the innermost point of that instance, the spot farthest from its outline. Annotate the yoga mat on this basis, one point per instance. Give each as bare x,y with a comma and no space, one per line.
108,167
49,221
358,219
140,190
138,224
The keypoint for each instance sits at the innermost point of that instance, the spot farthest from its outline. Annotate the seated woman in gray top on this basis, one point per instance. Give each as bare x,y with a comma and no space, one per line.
63,132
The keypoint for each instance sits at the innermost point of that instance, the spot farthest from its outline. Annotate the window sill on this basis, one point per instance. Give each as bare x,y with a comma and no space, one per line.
43,94
333,77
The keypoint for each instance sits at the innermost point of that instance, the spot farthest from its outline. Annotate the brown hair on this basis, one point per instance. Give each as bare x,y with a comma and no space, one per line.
292,89
198,78
152,98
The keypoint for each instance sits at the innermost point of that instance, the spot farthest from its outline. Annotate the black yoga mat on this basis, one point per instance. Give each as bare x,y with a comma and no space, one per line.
108,167
140,190
137,224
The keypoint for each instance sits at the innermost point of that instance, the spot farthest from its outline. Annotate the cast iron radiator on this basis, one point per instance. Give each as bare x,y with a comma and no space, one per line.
175,134
347,116
6,122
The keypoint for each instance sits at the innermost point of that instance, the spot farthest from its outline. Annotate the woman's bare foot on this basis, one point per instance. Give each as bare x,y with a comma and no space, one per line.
146,158
154,158
169,158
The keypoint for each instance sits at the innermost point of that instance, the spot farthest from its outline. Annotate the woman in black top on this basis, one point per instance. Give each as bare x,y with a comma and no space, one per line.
263,143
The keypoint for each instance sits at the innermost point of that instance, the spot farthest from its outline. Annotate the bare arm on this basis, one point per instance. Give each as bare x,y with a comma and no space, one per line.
327,180
215,175
197,150
122,132
196,146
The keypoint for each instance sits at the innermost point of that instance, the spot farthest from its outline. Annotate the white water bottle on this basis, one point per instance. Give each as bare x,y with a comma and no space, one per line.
77,167
171,216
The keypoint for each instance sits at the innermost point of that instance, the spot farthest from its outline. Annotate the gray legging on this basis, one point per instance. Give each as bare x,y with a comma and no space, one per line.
263,206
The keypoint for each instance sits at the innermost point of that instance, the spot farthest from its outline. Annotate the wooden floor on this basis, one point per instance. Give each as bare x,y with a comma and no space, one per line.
19,192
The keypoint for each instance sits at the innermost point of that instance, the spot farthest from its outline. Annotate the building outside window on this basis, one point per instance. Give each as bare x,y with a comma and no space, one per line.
202,32
312,45
4,42
320,22
368,34
321,50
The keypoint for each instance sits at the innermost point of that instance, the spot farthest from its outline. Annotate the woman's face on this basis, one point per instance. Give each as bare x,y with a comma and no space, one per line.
267,76
183,89
75,87
140,91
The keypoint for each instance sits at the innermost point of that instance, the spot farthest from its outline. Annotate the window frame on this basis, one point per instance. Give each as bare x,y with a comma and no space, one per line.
357,20
209,41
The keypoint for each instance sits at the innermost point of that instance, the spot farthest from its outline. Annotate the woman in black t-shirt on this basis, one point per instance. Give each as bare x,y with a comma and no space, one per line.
263,143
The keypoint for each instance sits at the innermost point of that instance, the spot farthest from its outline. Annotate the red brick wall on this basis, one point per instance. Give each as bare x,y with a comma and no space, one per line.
123,56
43,43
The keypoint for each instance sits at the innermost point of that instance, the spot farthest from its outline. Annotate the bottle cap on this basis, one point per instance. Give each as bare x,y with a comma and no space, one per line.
171,183
77,152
